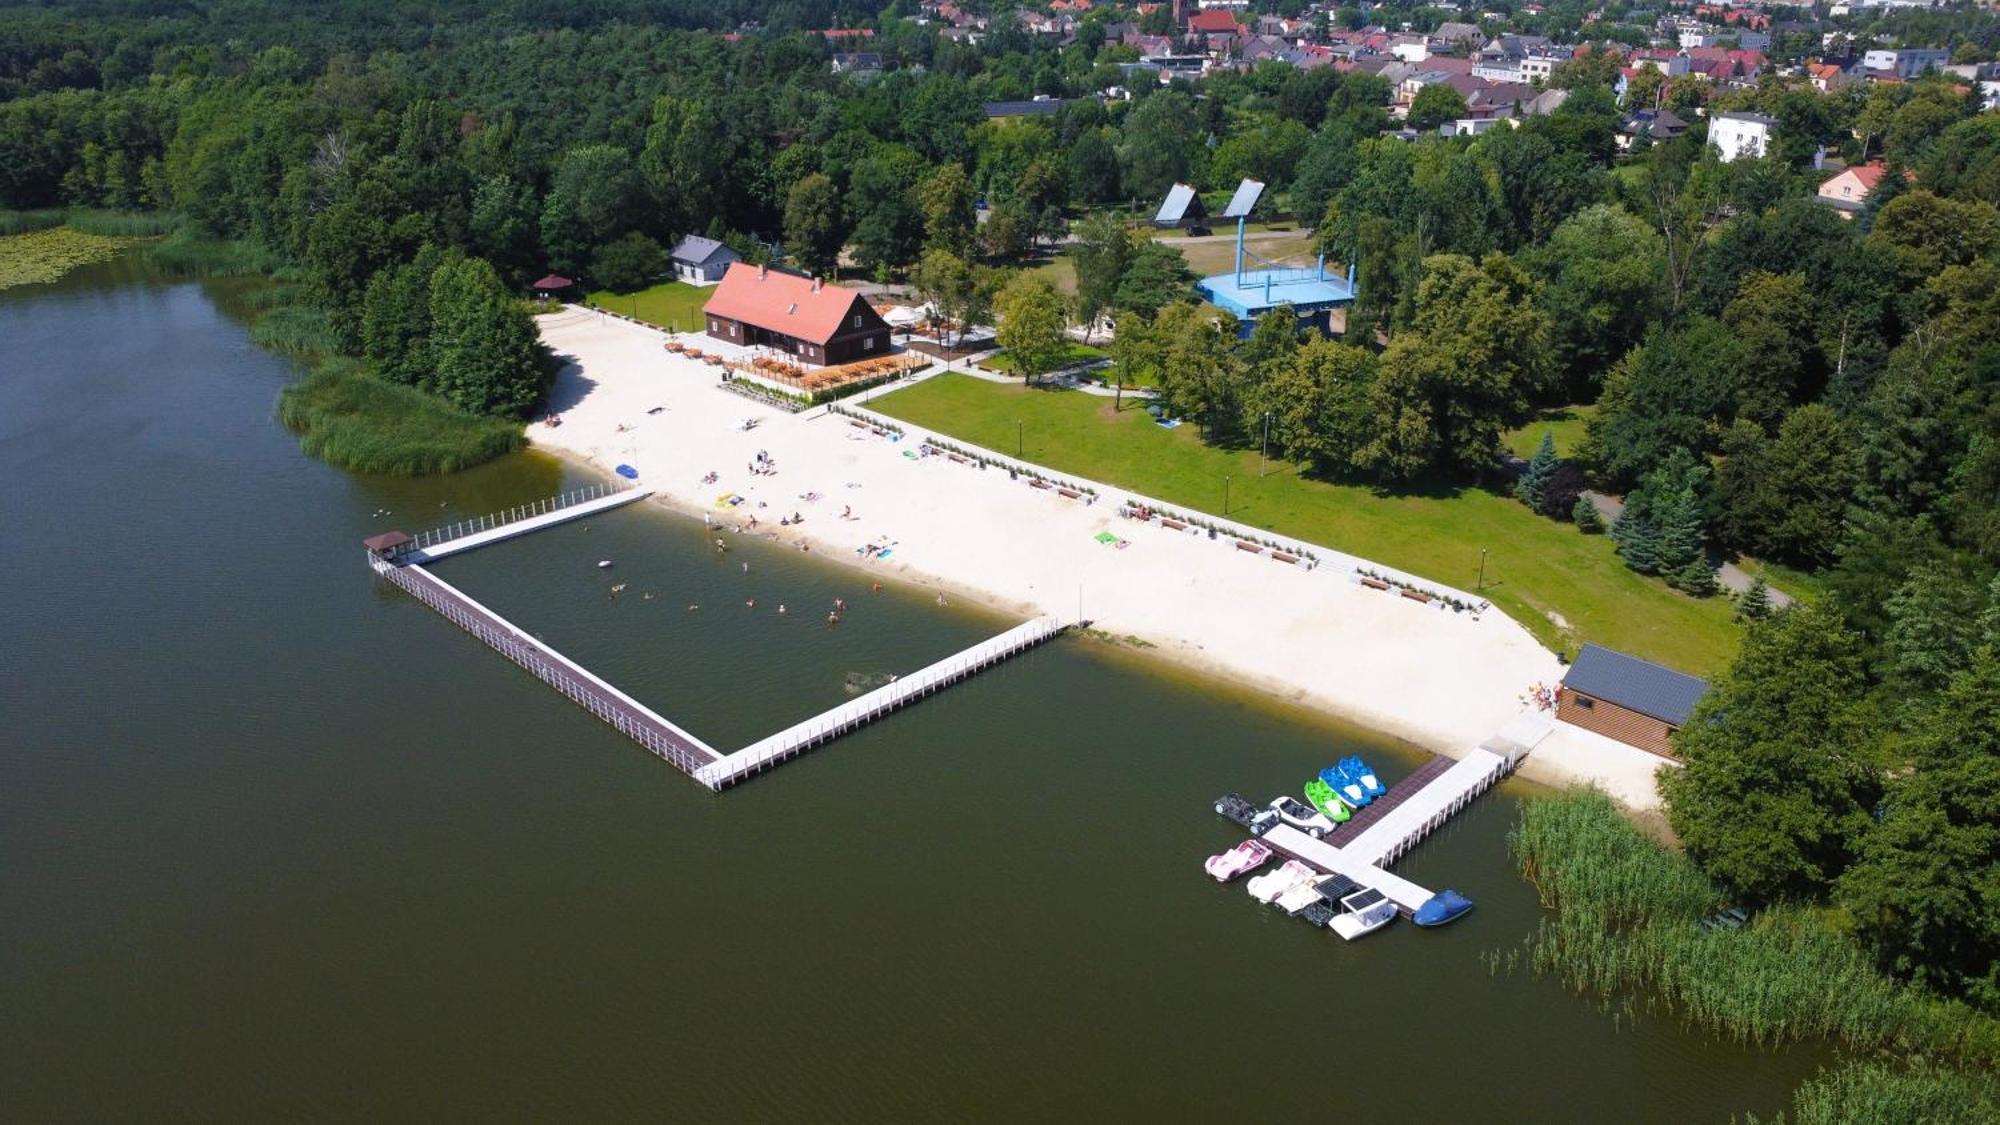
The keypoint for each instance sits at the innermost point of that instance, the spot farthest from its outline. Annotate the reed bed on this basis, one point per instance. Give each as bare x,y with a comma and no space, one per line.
185,254
351,419
121,224
1626,922
295,329
1876,1093
28,222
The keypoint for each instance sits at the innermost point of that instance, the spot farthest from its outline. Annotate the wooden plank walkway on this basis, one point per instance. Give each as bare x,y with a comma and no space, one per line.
801,737
1362,819
1399,830
632,718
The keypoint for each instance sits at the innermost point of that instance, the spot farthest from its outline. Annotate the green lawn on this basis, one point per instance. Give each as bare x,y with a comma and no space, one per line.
1566,422
1536,569
672,304
1074,354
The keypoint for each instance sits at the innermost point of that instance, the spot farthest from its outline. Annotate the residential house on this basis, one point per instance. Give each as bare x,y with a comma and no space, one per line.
1734,135
1848,191
1649,125
1907,62
702,261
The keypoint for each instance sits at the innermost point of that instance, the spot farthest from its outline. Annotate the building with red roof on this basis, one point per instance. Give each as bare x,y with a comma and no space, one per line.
807,319
1214,21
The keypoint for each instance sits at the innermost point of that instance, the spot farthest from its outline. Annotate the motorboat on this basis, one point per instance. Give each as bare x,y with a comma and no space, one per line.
604,564
1362,913
1237,808
1359,770
1445,906
1267,887
1330,806
1240,860
1345,787
1299,897
1301,816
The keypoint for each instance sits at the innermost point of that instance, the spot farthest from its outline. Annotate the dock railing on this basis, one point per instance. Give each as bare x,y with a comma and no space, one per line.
491,520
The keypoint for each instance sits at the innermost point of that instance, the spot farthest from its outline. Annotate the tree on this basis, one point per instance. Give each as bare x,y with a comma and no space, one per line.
503,227
1585,515
1755,604
1660,529
1093,168
881,201
950,223
483,344
947,282
1101,253
1156,276
1532,487
1923,234
813,226
1031,325
1786,498
1434,105
1319,400
1924,889
1668,394
1200,375
396,320
1464,374
1008,230
628,263
1778,777
1161,138
1600,288
1772,319
1935,628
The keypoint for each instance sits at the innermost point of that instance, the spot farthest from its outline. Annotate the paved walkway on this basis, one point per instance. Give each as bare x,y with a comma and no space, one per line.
1732,577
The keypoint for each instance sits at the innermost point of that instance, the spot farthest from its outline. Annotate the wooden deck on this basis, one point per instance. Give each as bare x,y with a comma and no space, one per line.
1399,791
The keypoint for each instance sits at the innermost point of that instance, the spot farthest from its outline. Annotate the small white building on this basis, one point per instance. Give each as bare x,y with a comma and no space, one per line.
702,261
1734,135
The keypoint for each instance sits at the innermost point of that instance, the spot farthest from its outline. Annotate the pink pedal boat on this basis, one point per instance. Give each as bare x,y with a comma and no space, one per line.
1242,859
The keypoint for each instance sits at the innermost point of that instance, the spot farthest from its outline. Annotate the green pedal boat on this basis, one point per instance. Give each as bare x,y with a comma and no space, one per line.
1322,797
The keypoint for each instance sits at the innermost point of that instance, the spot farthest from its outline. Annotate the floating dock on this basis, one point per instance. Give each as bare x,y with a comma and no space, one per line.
399,558
1385,829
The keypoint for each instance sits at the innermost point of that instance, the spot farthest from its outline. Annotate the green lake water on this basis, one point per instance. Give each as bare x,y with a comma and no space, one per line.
276,842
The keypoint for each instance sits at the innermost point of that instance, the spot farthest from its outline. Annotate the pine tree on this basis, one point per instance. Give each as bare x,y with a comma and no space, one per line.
1755,604
1588,519
1532,488
1683,556
1637,533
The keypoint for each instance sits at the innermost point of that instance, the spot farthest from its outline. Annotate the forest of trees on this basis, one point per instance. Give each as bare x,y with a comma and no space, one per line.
1766,377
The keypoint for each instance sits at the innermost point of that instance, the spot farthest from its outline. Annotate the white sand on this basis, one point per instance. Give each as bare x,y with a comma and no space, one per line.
1445,681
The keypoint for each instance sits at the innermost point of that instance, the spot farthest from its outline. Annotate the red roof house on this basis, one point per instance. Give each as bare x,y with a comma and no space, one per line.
804,317
1214,21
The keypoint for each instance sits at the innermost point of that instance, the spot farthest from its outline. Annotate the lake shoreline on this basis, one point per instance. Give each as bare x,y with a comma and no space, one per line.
1438,681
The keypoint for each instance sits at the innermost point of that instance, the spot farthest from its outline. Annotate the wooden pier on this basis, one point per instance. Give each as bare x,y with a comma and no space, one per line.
1364,818
630,717
399,558
801,737
1424,811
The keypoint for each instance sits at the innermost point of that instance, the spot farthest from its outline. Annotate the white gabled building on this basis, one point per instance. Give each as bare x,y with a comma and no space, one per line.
1741,134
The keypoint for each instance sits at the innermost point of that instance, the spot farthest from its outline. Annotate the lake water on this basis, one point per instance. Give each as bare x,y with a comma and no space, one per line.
278,842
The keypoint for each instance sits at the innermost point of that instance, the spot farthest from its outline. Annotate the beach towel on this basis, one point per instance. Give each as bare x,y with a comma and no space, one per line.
627,471
1169,423
1106,537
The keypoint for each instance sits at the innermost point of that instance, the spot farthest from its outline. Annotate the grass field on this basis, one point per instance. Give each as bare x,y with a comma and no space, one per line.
1207,259
1564,586
1566,422
1074,354
673,305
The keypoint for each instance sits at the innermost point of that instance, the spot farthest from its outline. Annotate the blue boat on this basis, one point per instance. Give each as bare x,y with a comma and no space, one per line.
1442,907
1359,771
1348,789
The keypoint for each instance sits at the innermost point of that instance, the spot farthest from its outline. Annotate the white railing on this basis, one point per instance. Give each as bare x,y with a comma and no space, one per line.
797,739
519,512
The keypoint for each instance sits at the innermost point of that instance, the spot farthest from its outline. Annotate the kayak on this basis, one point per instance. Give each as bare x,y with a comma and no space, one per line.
1322,798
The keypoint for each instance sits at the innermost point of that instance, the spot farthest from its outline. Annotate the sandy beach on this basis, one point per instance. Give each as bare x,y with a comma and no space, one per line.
1442,680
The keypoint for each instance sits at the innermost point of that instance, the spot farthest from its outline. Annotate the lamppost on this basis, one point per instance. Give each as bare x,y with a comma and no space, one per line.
1265,450
1225,494
1018,425
1482,570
